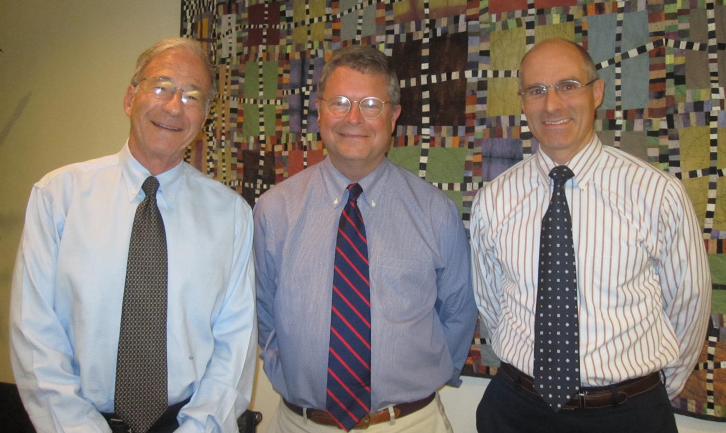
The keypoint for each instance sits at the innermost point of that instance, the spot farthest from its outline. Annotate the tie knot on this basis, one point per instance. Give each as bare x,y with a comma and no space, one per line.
151,184
354,191
561,173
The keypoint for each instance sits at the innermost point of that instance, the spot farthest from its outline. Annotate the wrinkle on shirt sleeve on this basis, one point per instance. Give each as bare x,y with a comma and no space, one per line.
455,298
41,353
225,391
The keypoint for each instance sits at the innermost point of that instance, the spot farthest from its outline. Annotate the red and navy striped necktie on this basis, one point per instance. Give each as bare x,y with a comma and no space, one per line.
349,359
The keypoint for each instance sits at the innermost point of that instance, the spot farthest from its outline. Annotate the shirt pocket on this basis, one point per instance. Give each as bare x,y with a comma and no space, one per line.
405,289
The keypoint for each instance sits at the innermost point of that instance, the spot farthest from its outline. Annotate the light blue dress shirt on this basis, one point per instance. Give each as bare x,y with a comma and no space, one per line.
422,304
68,286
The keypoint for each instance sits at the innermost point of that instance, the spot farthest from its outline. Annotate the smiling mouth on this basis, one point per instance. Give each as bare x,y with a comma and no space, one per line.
353,135
170,128
557,122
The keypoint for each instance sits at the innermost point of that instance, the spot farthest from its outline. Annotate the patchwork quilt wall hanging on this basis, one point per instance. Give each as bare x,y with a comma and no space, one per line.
663,61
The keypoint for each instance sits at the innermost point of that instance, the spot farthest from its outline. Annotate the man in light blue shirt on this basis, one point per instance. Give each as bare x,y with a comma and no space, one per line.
68,284
422,314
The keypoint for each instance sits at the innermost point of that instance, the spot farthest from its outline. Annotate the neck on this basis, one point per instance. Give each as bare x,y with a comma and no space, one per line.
353,170
564,156
155,164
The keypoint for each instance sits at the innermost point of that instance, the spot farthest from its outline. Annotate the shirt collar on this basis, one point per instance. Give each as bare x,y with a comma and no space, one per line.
135,174
582,165
373,184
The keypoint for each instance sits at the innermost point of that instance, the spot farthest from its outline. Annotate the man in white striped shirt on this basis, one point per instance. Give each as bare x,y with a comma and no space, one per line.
642,277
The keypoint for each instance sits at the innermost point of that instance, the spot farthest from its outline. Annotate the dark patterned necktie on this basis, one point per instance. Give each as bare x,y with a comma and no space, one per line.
349,359
557,355
141,381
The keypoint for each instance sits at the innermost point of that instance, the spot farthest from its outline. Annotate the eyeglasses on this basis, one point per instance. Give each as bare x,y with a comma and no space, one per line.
564,88
370,107
164,88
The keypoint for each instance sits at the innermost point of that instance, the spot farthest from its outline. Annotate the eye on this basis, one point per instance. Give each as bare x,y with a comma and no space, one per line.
566,86
193,95
163,88
535,90
339,102
373,104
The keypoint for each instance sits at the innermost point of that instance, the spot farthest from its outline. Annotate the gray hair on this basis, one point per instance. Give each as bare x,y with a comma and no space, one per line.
191,46
587,64
366,60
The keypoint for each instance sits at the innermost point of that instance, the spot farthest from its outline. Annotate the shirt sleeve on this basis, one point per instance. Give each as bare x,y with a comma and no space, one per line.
485,271
685,281
266,289
226,388
40,350
455,300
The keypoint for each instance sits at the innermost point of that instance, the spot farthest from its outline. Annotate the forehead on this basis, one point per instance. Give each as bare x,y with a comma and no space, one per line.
552,62
348,82
184,68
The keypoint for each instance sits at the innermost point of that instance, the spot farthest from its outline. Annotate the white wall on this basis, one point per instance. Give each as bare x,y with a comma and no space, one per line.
64,68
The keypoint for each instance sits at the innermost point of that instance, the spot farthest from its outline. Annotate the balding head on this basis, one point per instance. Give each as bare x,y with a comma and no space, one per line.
562,44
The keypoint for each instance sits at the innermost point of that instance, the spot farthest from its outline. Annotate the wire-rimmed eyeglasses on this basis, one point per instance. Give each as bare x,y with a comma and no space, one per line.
564,88
164,88
370,107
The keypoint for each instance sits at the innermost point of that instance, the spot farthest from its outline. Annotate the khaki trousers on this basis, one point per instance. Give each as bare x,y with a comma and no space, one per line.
430,419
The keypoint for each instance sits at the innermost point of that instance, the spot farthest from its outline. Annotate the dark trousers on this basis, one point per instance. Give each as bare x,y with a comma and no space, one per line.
506,407
165,424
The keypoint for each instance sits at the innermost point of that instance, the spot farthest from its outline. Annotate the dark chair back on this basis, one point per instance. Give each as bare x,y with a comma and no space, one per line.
13,417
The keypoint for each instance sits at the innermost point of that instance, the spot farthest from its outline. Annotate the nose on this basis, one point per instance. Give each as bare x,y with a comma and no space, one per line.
174,105
354,116
553,100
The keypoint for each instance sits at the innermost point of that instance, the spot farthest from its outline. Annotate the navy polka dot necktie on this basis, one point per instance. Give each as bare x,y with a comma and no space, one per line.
349,357
557,341
141,380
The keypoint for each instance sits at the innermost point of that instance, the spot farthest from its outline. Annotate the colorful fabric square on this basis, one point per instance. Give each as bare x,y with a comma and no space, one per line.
663,62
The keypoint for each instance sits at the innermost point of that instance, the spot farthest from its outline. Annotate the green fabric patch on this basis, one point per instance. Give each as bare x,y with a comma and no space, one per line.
508,47
408,157
446,165
718,302
718,269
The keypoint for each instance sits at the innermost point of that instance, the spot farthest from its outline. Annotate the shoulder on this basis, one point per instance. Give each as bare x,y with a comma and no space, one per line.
70,173
419,197
523,170
207,184
404,183
212,193
520,176
290,189
622,166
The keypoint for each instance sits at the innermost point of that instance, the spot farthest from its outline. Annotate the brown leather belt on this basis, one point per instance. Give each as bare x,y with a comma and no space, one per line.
590,397
400,410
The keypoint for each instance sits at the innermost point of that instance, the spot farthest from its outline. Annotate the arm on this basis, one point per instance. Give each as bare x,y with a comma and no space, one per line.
484,271
266,287
226,388
455,300
41,353
685,281
266,290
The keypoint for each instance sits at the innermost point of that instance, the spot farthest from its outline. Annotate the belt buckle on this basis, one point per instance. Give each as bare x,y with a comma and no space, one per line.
581,399
118,422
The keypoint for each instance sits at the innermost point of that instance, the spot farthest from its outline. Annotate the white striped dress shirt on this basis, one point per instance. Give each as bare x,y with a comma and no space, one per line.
644,286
